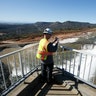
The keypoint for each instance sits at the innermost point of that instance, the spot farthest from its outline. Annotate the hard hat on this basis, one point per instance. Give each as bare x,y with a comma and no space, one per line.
47,31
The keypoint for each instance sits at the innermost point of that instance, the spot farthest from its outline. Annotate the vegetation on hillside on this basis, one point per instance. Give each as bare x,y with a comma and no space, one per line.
17,31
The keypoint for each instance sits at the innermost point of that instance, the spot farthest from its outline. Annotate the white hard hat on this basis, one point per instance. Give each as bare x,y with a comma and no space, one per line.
47,31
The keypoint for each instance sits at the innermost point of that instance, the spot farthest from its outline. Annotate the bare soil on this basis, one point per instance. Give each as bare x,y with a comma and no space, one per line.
61,36
36,39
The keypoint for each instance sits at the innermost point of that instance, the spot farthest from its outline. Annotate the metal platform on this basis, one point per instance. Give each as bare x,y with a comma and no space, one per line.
73,73
62,85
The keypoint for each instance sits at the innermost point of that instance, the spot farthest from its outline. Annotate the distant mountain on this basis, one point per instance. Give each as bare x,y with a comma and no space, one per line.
64,25
40,26
21,30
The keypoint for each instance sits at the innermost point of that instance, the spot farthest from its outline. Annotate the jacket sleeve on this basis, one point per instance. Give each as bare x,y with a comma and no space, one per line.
51,47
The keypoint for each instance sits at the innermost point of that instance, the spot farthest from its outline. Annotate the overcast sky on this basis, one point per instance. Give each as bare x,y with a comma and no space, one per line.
29,11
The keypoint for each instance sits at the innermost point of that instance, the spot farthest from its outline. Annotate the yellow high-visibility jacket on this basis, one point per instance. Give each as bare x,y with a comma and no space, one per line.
42,52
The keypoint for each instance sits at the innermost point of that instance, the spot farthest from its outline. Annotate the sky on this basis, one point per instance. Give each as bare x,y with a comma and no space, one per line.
30,11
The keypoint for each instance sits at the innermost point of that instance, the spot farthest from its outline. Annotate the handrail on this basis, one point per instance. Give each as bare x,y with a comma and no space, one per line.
79,63
16,66
83,52
21,63
24,48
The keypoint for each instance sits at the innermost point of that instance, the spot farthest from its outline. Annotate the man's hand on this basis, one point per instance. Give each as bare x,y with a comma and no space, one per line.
55,41
56,38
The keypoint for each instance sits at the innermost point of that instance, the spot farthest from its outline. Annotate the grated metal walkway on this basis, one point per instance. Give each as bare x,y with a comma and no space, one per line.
56,90
61,86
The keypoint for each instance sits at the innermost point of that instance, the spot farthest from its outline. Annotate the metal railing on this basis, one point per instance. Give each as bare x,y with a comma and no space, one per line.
82,65
16,66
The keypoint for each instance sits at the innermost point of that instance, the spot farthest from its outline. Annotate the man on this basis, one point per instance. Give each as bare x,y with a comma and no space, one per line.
45,54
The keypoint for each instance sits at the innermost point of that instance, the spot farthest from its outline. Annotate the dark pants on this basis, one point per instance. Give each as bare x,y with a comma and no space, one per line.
46,71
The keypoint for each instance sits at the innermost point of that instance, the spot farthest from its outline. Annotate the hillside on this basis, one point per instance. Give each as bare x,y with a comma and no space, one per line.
34,30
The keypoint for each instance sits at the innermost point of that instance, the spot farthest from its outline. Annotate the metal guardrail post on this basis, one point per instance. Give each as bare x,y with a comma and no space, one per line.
62,57
79,66
85,66
90,67
15,67
21,65
9,68
2,70
70,60
74,63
